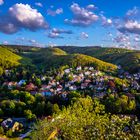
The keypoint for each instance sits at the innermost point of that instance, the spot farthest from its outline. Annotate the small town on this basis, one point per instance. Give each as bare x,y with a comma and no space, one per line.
70,79
85,80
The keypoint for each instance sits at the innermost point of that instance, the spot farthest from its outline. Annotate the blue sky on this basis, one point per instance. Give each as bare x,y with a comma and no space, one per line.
112,23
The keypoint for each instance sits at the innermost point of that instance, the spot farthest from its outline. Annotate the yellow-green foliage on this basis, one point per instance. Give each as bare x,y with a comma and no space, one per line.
8,59
55,57
80,59
49,52
129,59
83,121
120,82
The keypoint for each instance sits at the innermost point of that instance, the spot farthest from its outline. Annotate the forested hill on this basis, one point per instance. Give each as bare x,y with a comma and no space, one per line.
66,55
129,59
55,58
9,59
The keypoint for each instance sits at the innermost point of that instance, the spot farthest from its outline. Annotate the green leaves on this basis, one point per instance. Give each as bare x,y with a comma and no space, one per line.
83,121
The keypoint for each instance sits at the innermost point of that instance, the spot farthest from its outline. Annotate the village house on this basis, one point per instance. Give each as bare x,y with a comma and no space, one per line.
79,68
30,87
75,79
11,124
21,82
67,71
73,88
7,72
10,85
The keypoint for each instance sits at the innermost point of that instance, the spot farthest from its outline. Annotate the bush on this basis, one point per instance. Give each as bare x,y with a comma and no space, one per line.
1,130
83,121
9,133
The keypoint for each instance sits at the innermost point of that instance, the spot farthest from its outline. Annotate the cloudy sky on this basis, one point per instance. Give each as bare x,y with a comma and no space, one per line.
71,22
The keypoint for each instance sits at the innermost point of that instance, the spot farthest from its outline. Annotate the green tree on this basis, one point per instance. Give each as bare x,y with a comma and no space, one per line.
56,108
81,122
1,112
9,133
1,71
1,130
29,116
8,106
40,108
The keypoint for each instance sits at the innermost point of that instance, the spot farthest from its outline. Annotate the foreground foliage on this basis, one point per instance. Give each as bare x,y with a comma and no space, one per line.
85,120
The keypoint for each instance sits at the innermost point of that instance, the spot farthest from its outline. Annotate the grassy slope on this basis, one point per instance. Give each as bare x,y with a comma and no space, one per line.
129,59
9,59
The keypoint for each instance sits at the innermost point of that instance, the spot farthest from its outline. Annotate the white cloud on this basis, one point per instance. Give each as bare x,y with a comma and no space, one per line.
5,42
55,12
91,6
59,11
106,21
51,44
1,2
84,35
22,16
32,41
110,34
137,38
61,31
55,33
30,18
133,12
130,27
38,4
130,23
35,43
122,38
82,16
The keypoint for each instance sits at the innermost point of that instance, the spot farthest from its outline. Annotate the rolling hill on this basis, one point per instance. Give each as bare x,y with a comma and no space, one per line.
55,58
129,59
9,59
102,58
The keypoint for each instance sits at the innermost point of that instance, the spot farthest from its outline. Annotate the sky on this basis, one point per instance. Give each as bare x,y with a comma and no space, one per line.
106,23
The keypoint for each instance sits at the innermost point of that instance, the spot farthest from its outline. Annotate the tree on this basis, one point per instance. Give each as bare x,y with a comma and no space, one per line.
56,108
38,82
131,105
124,102
1,130
40,108
81,122
20,107
14,94
73,95
49,108
27,98
29,116
39,97
1,112
8,106
1,71
9,133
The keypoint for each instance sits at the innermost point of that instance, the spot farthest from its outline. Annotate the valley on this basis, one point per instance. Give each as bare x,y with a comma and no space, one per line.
42,84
